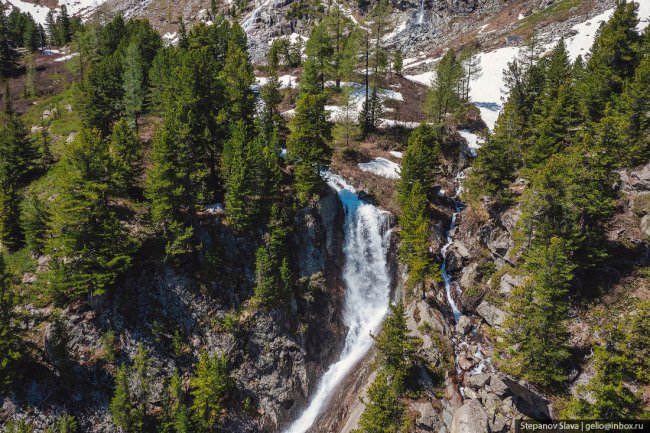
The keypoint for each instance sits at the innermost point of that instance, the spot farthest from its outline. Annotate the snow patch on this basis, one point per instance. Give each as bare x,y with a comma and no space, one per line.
396,154
286,81
68,57
381,167
474,142
425,78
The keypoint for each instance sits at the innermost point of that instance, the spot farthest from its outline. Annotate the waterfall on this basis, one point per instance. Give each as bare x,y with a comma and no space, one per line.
421,13
367,290
250,21
446,277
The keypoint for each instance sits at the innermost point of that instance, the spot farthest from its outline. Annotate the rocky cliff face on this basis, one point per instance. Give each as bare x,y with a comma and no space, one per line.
276,357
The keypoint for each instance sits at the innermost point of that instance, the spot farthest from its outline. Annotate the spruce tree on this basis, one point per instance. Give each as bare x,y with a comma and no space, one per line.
8,56
613,59
384,412
10,350
537,316
272,273
209,387
396,348
308,144
87,244
125,156
414,245
123,411
101,94
610,395
33,221
420,162
445,97
238,77
634,106
133,78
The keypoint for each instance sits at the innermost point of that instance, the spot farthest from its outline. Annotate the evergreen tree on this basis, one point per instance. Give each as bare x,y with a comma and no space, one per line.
384,412
634,106
307,144
10,350
414,245
445,97
614,57
8,56
238,77
570,197
557,114
10,234
133,78
609,391
420,162
175,414
471,67
101,94
33,221
123,411
342,32
125,155
537,320
398,62
346,131
319,50
209,387
17,158
396,348
87,244
169,187
273,276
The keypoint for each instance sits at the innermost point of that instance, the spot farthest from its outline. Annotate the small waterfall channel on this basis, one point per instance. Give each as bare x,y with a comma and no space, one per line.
451,286
367,281
446,277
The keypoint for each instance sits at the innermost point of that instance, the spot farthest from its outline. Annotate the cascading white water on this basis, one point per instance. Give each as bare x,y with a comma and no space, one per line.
446,277
421,13
248,22
367,290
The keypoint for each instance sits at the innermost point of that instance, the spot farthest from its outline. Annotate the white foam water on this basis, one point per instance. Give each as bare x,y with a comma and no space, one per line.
367,291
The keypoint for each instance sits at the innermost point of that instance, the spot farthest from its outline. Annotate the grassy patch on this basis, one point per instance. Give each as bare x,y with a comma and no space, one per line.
61,124
21,261
558,11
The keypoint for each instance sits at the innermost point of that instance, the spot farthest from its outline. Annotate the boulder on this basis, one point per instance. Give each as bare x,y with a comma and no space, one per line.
477,380
499,424
491,314
492,403
527,401
509,282
470,276
464,325
498,386
453,260
470,393
645,226
461,248
427,416
470,418
498,241
636,180
465,360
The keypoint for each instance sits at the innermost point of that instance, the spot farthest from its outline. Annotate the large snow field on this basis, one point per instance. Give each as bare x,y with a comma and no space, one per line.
39,13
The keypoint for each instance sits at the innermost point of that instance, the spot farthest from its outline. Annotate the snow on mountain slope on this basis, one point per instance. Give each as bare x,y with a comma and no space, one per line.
39,13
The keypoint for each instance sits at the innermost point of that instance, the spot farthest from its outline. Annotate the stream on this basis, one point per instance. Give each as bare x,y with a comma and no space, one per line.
367,282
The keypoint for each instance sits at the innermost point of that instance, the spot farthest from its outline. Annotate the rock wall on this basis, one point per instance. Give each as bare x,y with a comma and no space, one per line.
276,357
